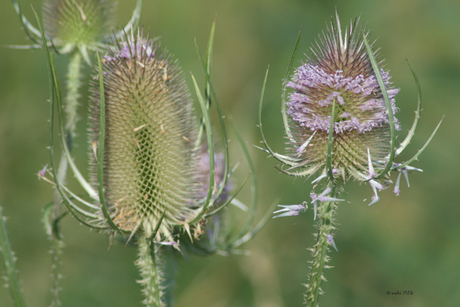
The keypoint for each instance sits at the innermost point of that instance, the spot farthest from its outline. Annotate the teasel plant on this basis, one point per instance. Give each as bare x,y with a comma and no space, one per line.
157,181
340,125
77,28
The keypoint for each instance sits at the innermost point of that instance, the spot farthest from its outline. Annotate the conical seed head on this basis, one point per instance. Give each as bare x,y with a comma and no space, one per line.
78,22
339,72
149,160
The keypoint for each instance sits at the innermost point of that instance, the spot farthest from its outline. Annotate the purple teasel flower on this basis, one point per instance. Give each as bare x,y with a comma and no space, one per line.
339,119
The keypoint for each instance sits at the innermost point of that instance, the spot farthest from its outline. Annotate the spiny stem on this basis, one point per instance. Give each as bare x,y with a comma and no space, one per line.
170,272
150,269
325,226
56,252
11,273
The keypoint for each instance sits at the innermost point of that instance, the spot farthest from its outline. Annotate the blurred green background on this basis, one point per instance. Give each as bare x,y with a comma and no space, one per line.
405,243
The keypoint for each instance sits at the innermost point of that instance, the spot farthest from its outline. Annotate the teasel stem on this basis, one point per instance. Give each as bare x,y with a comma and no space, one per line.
150,267
170,269
11,274
325,225
56,252
73,85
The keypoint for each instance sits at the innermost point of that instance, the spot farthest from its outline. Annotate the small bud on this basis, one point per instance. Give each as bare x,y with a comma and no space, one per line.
71,23
42,172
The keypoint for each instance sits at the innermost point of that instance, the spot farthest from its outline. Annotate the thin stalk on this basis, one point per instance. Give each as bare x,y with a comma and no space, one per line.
11,274
150,269
325,226
170,271
73,85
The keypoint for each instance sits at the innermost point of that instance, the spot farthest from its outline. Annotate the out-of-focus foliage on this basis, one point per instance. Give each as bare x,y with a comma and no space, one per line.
405,243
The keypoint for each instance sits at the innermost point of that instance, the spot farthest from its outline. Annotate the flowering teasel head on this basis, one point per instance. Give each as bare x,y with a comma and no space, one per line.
339,116
337,80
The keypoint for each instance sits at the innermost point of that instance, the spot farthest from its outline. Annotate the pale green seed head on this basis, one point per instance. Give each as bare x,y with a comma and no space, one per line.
149,160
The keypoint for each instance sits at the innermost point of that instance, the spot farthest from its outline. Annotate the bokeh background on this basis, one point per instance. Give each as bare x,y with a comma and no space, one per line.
405,243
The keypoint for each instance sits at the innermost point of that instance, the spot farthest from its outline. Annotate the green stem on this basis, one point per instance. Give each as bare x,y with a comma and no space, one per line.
73,85
11,273
169,277
56,252
326,212
150,267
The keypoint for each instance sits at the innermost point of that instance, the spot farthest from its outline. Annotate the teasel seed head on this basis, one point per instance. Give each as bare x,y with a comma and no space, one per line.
339,72
77,23
150,165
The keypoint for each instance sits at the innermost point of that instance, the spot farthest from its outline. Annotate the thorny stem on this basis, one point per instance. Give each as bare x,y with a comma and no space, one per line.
56,252
326,212
73,85
169,275
11,274
150,268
